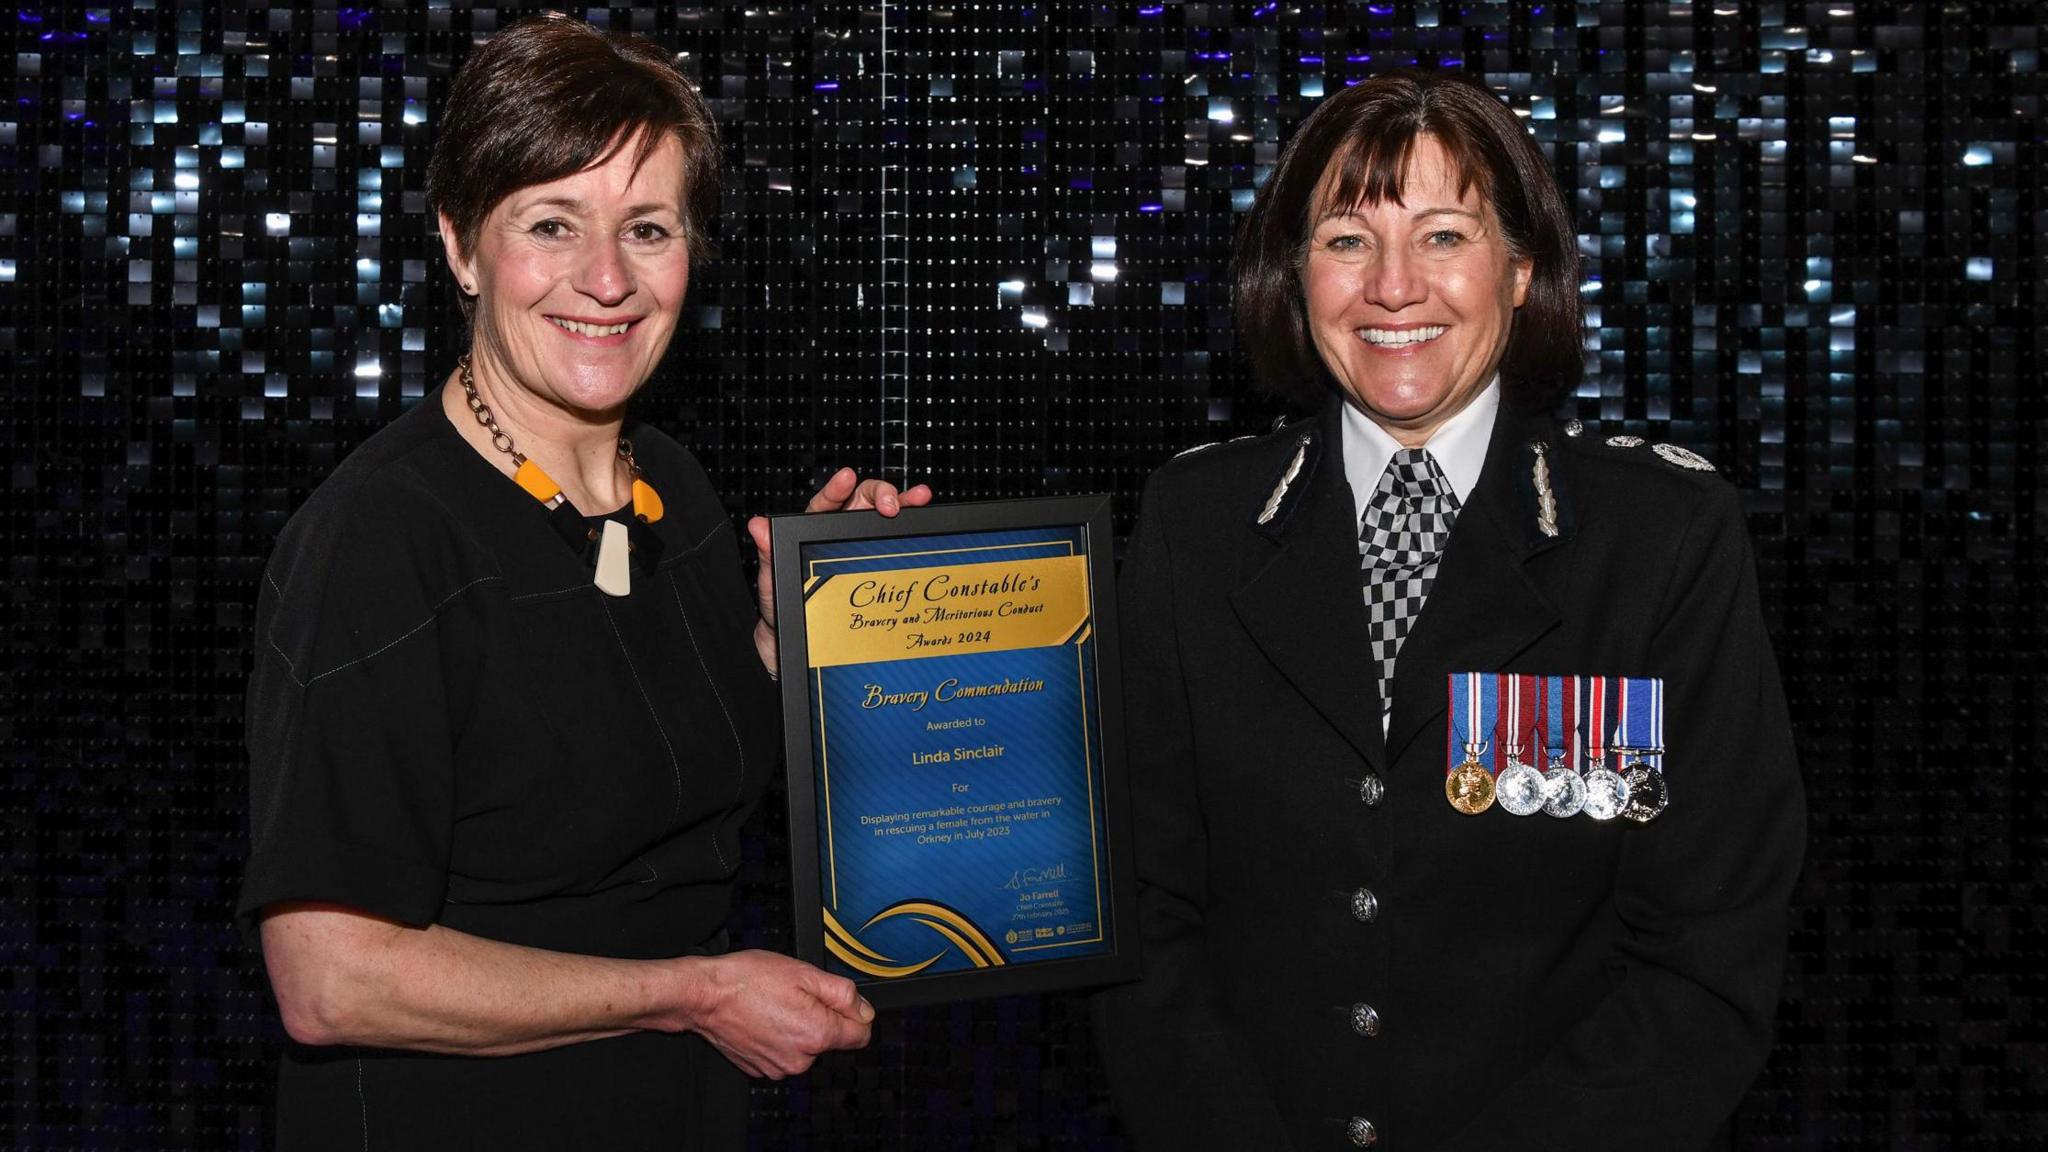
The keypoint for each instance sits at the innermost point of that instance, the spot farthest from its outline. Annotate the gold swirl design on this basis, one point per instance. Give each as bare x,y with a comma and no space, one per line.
862,958
958,931
958,940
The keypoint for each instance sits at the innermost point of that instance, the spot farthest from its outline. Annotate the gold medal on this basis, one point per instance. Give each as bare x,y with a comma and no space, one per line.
1475,699
1469,787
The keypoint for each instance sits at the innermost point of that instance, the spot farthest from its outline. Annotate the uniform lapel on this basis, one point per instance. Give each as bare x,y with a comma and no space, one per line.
1483,609
1300,599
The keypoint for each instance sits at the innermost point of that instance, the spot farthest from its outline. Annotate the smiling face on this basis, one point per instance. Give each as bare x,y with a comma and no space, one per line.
1410,304
579,281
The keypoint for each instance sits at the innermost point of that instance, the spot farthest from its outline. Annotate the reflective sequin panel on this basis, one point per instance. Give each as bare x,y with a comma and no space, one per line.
987,245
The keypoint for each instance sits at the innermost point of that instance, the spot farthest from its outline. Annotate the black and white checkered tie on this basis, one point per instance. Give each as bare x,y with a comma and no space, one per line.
1407,522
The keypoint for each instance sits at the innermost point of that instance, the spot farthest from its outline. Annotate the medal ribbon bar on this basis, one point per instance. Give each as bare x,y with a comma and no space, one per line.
1519,786
1559,742
1531,690
1573,690
1656,756
1642,733
1607,791
1469,785
1623,737
1642,719
1475,709
1509,686
1597,692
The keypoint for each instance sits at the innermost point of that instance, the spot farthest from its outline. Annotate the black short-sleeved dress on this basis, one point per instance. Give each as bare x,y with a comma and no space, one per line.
450,724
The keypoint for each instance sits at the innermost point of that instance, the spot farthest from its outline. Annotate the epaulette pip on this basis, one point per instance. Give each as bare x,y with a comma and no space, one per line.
1670,454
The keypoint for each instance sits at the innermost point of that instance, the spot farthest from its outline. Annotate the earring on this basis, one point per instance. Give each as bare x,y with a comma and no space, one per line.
469,288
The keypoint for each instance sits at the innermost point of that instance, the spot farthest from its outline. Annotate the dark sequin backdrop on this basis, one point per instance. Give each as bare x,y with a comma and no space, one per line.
986,246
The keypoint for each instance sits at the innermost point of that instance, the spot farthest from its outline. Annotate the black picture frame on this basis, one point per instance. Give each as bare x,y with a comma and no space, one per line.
1091,514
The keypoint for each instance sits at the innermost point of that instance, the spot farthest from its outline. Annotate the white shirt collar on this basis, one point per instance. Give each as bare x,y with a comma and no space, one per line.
1459,447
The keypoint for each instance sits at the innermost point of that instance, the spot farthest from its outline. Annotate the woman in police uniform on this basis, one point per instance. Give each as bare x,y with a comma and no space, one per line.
1335,955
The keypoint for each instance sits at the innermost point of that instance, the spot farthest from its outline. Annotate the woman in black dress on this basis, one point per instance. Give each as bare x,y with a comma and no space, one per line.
512,699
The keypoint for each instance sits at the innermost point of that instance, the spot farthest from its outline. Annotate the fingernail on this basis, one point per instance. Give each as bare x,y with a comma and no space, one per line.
867,1010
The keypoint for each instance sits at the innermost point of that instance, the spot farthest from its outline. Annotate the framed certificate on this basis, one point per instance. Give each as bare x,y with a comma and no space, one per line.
957,805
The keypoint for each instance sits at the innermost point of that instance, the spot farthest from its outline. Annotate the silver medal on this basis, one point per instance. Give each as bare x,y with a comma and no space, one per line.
1647,794
1564,791
1520,789
1606,794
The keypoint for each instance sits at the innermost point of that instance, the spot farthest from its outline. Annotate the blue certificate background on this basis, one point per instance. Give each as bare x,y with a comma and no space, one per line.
991,867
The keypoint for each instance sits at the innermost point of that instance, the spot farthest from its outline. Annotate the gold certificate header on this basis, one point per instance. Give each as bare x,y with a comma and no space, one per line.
950,610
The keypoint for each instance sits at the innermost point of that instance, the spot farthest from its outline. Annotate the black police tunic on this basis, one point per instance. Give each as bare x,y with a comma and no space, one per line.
1337,958
448,723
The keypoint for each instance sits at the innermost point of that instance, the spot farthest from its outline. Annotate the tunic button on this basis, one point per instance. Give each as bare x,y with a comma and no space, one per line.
1361,1132
1365,906
1364,1020
1372,790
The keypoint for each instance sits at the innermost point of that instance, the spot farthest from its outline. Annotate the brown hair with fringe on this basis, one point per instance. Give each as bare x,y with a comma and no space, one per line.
550,96
1362,137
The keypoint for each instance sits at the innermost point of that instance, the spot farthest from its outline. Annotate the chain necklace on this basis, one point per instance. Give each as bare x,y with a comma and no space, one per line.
502,441
614,573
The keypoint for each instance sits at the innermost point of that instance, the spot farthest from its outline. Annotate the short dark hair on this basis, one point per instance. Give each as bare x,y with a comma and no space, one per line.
1369,130
550,96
